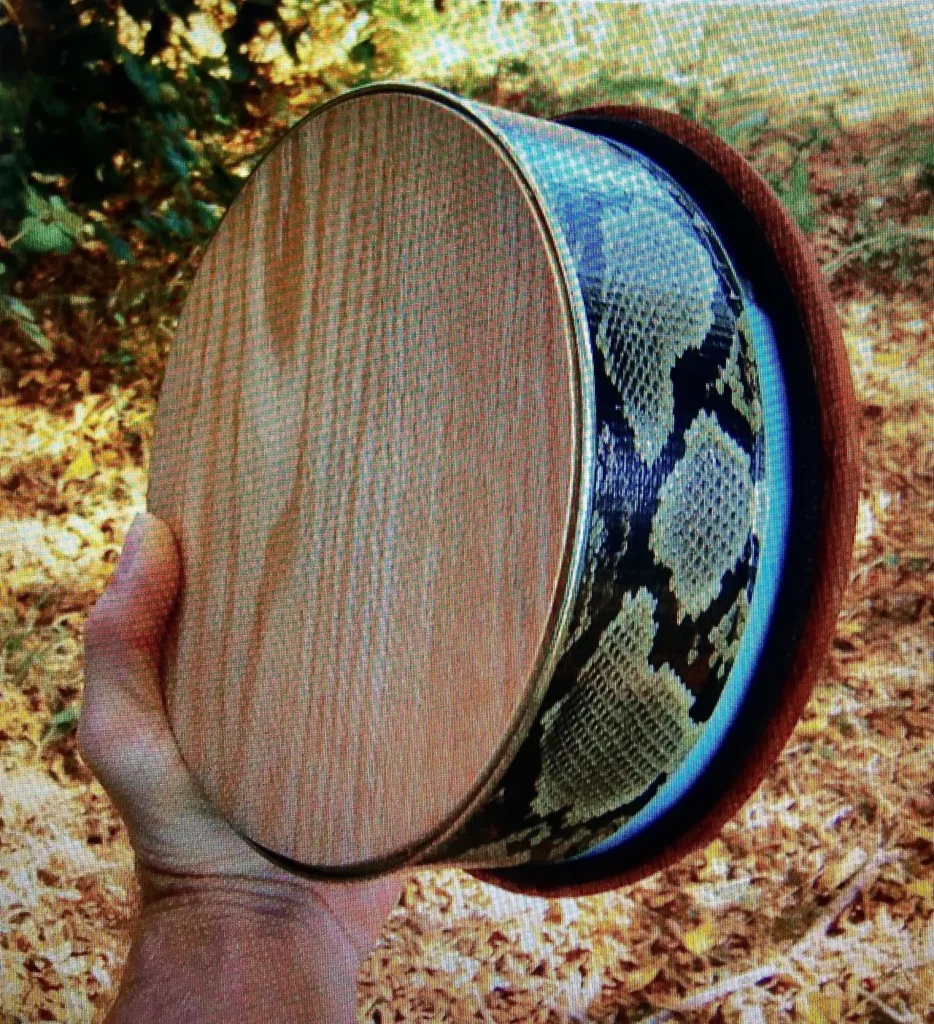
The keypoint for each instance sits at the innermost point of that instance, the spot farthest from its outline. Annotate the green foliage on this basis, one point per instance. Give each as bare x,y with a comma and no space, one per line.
783,150
33,657
105,144
12,308
797,195
62,723
793,183
885,239
364,53
83,120
14,642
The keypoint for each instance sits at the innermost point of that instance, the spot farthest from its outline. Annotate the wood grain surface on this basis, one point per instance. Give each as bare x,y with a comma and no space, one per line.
366,446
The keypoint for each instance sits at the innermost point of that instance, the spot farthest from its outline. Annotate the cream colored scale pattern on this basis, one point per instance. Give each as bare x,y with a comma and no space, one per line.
608,739
662,290
704,509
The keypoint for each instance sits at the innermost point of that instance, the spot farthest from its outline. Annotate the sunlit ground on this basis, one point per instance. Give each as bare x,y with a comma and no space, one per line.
816,903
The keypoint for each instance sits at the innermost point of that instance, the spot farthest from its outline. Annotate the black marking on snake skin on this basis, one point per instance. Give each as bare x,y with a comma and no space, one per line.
745,365
601,827
673,643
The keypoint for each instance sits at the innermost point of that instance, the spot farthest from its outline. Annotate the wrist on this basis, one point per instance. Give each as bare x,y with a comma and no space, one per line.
223,951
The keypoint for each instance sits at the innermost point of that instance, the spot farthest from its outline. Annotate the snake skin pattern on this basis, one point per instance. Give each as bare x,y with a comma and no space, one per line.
678,502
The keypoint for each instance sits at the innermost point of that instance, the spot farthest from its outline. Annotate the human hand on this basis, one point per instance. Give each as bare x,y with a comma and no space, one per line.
187,855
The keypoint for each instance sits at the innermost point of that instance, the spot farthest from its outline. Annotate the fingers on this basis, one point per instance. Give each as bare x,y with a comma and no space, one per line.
125,737
361,908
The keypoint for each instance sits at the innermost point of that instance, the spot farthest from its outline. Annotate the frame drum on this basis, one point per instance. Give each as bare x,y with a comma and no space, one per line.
513,467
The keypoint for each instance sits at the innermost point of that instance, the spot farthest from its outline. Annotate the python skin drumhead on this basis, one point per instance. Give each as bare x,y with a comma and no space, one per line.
804,537
512,466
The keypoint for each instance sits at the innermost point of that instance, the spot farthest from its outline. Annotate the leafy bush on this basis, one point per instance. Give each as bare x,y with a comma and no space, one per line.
84,119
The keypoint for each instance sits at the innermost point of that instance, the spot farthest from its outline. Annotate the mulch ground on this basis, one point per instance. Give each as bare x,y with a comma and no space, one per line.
815,904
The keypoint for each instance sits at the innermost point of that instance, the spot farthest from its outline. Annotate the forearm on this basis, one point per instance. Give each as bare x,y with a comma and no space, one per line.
231,959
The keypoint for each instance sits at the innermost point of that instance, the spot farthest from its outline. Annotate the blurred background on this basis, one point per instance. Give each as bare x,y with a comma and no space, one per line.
126,129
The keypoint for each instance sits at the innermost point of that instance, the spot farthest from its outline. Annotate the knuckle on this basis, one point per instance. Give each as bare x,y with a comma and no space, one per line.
106,609
106,627
95,741
101,620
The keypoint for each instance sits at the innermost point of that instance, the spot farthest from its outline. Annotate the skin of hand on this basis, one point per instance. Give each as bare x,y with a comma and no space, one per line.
187,855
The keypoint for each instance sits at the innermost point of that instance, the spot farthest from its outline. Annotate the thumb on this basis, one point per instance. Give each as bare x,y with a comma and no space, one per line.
124,735
125,628
132,611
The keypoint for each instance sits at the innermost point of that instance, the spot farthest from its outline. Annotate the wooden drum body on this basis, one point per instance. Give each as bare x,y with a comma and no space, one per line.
513,468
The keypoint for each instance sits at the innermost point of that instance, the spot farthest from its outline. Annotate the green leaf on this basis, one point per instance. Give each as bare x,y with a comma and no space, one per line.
37,336
63,722
175,160
53,210
35,203
25,319
119,358
799,198
25,665
749,124
51,104
240,65
364,53
14,307
180,226
148,224
14,642
119,249
208,215
37,236
52,227
65,718
516,66
142,77
168,93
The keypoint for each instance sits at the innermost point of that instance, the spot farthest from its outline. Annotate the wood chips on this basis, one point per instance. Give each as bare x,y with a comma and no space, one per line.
815,904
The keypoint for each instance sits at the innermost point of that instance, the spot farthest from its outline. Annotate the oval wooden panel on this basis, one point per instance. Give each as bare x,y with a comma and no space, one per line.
367,446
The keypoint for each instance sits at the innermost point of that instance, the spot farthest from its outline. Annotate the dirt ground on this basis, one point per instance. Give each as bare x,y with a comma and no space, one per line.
815,904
